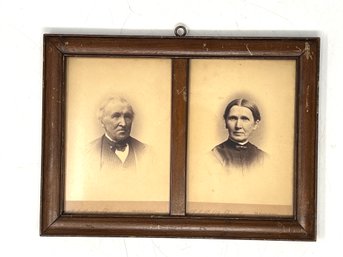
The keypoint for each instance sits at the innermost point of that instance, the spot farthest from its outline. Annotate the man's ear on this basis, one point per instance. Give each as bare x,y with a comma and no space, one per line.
256,124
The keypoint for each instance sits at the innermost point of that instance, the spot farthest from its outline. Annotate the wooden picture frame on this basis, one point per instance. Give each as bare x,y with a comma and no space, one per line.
177,222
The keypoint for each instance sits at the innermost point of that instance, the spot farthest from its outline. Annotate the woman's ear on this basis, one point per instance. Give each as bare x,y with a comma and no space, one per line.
256,124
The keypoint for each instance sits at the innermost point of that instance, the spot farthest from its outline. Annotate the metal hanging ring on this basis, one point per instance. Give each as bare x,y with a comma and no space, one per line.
180,31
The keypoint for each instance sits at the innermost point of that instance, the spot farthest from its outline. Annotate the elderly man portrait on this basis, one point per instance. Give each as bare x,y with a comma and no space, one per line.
241,119
116,149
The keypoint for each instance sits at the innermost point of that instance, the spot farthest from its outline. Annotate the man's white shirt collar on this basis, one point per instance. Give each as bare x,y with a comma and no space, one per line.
122,155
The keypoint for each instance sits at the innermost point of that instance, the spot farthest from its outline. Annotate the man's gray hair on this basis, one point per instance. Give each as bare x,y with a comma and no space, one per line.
112,99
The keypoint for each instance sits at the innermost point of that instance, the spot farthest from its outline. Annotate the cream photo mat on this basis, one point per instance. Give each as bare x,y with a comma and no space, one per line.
146,84
266,190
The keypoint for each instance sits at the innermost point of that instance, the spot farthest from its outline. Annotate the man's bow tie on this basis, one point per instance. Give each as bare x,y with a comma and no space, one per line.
118,147
240,147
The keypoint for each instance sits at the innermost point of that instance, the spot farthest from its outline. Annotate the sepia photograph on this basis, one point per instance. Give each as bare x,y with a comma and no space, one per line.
117,135
241,137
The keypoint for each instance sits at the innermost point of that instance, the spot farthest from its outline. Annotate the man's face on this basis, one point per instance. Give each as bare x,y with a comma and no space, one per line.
117,120
240,123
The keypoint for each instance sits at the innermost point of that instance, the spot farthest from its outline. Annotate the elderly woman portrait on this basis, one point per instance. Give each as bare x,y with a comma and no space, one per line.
241,118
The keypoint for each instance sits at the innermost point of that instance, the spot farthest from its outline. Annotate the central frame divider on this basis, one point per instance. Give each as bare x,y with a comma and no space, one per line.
180,74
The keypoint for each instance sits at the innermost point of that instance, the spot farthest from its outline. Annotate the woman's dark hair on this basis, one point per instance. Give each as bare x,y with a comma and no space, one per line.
244,103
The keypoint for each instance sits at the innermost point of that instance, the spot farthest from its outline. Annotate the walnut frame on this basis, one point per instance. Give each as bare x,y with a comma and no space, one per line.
55,222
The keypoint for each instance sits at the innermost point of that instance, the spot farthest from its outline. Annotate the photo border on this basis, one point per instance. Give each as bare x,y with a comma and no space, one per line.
55,222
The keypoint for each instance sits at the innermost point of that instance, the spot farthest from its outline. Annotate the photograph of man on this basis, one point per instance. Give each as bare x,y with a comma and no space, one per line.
241,118
116,149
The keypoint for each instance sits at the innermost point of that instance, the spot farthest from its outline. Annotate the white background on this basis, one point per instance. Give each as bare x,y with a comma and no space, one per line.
22,24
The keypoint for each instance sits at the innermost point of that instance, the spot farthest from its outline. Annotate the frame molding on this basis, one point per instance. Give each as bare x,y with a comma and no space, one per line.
55,222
